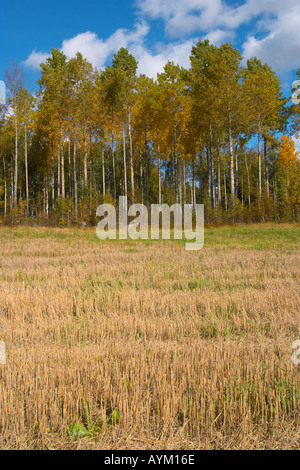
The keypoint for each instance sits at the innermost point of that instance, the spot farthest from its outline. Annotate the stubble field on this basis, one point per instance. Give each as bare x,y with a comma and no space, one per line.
143,345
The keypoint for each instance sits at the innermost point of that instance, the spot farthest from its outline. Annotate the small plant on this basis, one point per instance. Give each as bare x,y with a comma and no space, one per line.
78,431
113,418
193,285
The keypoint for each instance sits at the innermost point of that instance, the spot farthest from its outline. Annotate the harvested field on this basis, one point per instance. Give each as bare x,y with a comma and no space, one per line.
143,345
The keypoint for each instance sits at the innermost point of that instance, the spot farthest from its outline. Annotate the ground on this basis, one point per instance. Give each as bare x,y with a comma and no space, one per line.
143,345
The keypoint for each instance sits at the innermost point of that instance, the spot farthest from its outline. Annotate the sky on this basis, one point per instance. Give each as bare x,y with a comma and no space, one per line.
155,31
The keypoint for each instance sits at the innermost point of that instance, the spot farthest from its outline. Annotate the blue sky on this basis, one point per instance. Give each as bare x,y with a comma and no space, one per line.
154,30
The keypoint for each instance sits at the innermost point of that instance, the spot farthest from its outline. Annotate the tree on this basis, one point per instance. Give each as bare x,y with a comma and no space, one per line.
262,93
143,119
26,106
288,163
126,66
82,96
215,89
184,137
15,80
54,95
112,92
173,105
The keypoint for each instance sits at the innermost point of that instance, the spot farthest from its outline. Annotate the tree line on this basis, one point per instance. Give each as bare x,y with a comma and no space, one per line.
208,134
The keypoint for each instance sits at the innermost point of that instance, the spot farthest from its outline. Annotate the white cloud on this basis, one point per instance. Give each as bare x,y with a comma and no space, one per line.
190,16
184,17
280,48
297,143
94,49
215,20
152,63
278,21
219,36
35,59
97,50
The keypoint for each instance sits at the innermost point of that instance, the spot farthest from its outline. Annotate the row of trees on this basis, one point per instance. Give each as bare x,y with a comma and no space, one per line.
89,136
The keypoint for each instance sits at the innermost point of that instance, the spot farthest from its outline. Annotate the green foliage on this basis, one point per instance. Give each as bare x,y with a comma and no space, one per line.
63,210
92,135
78,431
92,427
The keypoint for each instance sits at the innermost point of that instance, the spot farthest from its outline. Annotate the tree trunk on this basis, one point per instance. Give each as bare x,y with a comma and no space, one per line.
275,191
184,183
208,172
44,198
194,187
103,172
5,187
225,191
63,192
75,181
219,173
201,178
52,176
231,161
58,171
175,165
26,170
113,155
267,166
15,192
180,183
47,198
131,159
243,194
159,175
124,164
146,172
12,188
142,179
85,173
69,168
259,162
236,172
248,181
212,188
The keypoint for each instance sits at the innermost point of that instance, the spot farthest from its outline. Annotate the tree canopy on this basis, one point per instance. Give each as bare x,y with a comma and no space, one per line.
218,133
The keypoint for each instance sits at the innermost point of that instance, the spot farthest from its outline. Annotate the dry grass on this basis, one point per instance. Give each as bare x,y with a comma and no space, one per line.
149,346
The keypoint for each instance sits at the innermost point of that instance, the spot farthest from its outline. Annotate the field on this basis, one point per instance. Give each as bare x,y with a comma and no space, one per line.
142,345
